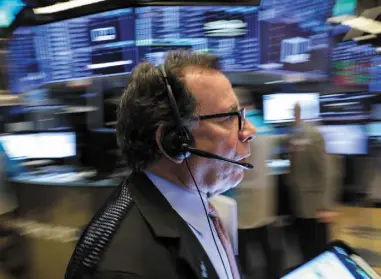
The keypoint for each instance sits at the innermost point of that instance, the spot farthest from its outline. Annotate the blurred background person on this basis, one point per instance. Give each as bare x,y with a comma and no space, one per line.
256,201
12,261
311,199
8,168
374,195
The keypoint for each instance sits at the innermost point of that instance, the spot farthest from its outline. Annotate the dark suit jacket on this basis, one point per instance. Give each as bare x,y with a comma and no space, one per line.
153,241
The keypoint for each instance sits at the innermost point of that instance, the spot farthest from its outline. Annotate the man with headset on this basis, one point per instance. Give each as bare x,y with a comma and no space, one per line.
184,135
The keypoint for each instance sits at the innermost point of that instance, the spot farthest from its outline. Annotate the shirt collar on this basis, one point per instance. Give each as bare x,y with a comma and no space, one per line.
184,201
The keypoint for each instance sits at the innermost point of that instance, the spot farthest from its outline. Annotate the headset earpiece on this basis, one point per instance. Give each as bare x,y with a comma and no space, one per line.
174,136
173,142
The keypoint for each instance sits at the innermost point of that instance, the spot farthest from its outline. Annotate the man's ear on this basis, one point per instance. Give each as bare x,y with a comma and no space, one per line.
158,138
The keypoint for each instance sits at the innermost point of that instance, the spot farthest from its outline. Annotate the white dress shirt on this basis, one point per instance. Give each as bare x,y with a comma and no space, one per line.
189,206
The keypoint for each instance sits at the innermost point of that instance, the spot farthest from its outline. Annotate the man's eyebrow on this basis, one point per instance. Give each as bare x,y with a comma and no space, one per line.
233,108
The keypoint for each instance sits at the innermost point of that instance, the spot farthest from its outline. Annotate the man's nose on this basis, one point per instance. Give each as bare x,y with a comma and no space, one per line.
248,132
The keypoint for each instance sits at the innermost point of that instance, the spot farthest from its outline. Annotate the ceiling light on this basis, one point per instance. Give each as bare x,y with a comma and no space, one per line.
59,7
366,37
340,19
364,24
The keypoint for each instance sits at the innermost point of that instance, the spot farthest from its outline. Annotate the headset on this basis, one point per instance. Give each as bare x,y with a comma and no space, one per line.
178,142
176,139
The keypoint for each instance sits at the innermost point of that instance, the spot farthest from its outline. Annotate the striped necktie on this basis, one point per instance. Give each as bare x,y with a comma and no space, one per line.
225,241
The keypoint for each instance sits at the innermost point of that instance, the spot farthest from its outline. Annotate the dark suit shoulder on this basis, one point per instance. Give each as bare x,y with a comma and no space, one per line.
151,239
137,234
135,250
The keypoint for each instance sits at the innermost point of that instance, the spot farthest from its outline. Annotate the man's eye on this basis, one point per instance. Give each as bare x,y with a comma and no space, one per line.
227,118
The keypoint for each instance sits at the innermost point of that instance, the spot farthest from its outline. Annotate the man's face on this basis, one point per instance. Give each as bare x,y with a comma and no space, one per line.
221,136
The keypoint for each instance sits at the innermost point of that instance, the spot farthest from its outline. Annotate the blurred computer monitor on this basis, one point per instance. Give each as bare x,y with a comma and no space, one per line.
345,139
374,133
376,112
374,129
346,106
279,107
40,145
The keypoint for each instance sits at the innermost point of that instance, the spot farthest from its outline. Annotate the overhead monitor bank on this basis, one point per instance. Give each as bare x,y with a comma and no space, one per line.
355,64
294,37
114,42
103,43
229,32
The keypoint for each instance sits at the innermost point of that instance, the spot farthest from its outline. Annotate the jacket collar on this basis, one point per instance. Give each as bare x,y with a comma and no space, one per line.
166,223
187,203
154,207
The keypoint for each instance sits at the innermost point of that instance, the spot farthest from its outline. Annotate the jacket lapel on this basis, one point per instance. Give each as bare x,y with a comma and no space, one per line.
169,227
196,259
